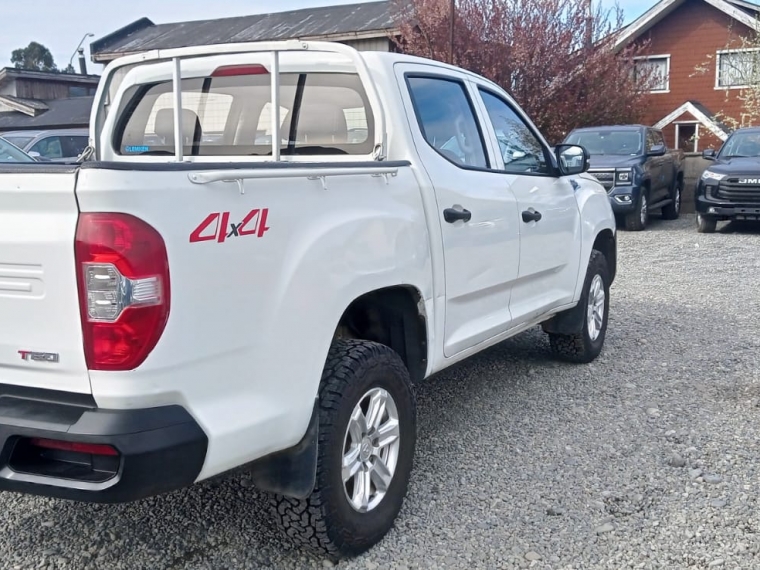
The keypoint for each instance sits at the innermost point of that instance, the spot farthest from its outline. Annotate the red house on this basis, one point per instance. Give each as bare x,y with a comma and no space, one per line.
694,48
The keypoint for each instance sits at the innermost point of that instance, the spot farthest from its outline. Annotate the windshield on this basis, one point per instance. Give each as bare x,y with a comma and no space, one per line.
9,153
741,145
18,140
624,143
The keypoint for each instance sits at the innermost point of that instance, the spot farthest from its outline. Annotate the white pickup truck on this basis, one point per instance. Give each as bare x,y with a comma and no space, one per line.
262,250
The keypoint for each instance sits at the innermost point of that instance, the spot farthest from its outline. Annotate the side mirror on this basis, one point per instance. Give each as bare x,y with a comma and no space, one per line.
657,150
34,154
572,159
709,154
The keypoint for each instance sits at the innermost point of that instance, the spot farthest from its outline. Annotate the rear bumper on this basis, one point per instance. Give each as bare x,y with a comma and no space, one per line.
158,449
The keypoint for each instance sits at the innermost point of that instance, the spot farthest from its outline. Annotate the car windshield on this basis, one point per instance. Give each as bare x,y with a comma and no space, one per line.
19,140
10,153
741,145
626,143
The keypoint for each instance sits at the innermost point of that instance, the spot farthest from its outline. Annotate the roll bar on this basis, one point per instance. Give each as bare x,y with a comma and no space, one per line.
176,55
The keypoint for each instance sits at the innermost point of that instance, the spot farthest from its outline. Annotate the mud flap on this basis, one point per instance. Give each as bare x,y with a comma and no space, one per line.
291,472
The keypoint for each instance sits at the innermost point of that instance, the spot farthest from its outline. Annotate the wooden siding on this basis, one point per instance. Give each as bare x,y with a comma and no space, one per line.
370,44
689,35
46,90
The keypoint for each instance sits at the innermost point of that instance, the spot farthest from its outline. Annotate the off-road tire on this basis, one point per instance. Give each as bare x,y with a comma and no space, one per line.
325,522
633,220
706,225
579,347
673,210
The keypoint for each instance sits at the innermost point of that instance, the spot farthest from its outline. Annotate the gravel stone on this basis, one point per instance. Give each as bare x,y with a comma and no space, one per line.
531,556
718,503
676,461
606,527
492,448
712,479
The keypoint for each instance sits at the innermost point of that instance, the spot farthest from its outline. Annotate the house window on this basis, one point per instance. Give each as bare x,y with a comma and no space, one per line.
737,68
654,72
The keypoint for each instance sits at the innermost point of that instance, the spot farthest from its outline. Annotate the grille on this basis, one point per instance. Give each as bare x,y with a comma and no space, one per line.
735,191
605,177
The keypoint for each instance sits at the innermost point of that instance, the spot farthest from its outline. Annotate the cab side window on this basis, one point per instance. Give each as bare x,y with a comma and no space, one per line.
447,120
651,140
49,147
521,150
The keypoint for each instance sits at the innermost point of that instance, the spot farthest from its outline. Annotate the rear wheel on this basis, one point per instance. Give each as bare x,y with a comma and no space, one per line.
637,220
586,344
706,225
367,436
673,210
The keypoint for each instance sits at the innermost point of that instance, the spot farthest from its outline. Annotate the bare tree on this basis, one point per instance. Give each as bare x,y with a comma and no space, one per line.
555,57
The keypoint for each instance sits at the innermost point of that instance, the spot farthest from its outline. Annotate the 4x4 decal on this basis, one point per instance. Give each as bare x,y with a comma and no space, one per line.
217,226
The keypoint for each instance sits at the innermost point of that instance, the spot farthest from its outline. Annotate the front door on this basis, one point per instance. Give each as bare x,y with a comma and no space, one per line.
476,210
549,218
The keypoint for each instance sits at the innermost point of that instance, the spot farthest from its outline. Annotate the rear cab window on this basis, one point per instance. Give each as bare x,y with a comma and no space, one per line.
229,113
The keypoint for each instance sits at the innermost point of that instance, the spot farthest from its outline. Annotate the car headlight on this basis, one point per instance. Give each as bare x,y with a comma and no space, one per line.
623,177
707,175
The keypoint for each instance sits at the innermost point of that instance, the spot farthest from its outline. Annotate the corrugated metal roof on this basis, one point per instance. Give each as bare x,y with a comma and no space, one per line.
7,73
327,21
71,112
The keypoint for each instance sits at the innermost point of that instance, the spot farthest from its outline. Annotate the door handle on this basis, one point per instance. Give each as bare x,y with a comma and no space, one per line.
531,216
451,215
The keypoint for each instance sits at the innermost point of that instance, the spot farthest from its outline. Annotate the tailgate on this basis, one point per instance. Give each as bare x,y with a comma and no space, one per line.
40,327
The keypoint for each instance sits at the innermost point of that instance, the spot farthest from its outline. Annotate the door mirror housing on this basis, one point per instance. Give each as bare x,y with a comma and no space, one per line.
572,159
657,150
709,154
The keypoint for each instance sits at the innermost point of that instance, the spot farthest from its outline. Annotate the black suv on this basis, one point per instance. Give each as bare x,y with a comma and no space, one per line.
636,168
730,188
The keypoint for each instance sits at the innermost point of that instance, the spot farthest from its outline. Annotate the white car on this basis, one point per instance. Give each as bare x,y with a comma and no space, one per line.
56,145
179,305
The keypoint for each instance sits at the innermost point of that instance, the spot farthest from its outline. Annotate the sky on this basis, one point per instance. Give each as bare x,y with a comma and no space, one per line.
61,26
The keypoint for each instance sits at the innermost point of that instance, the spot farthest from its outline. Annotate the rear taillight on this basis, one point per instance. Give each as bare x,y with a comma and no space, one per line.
123,278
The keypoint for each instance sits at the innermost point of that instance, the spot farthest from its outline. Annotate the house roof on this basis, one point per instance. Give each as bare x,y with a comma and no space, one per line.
11,73
740,10
701,114
60,113
348,21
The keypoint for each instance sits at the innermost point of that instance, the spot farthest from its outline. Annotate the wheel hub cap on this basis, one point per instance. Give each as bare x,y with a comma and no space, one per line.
595,309
370,450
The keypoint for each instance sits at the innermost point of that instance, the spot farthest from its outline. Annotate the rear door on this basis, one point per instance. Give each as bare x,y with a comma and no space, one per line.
477,211
40,326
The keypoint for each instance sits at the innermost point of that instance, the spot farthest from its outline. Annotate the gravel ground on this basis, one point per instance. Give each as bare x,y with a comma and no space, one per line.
647,458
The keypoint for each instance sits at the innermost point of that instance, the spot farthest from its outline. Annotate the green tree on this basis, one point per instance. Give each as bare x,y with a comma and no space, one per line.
35,56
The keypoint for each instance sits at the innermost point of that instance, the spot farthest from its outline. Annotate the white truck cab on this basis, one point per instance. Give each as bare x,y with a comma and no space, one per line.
265,246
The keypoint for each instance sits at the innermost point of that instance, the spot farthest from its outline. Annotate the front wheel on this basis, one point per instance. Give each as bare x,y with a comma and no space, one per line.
637,220
586,344
706,225
367,436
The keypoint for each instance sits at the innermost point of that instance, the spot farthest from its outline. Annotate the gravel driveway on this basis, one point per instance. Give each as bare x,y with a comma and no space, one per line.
647,458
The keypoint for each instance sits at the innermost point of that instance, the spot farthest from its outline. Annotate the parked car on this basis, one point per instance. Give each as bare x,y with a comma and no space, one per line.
57,145
636,168
11,153
210,305
729,189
